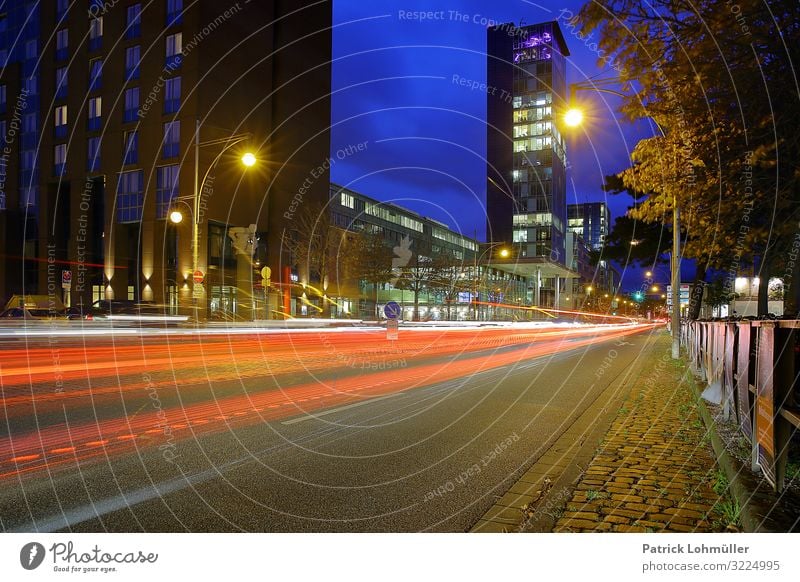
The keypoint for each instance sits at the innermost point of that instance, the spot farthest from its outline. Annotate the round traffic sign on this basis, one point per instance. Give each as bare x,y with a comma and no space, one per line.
266,273
392,310
198,276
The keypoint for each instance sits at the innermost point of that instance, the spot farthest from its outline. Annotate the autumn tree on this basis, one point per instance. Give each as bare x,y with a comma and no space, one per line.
722,87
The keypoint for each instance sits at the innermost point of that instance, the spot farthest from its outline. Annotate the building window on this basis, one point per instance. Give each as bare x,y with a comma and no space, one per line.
31,49
61,121
61,83
134,21
62,44
3,97
95,74
95,33
32,85
130,196
166,189
172,95
131,146
131,104
174,12
348,200
172,139
174,50
93,154
59,159
95,113
61,8
132,59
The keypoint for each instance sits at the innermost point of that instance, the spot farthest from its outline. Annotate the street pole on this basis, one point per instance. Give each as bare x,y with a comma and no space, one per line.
196,214
676,281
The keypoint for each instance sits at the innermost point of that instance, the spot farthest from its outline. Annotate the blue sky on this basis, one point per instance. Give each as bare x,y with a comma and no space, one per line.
425,135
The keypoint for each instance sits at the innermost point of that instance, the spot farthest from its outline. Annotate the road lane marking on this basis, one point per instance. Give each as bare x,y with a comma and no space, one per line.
335,410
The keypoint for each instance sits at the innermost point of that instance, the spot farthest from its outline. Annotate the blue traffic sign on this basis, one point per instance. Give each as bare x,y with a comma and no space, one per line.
392,310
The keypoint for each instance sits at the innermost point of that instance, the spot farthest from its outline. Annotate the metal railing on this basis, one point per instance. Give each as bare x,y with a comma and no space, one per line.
755,366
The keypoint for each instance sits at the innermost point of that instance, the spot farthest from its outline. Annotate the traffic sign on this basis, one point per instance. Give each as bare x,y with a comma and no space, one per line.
266,273
198,290
392,310
198,276
66,279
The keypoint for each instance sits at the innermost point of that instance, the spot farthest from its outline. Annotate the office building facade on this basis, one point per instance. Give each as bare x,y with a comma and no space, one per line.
591,220
526,155
115,98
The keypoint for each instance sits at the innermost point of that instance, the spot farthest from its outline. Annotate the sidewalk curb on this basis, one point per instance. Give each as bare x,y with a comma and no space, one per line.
736,473
552,478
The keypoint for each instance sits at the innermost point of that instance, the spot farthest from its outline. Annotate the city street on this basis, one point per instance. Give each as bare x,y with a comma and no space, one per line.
306,430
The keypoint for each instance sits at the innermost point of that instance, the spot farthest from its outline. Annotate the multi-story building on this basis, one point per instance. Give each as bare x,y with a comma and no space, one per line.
526,169
117,114
475,286
591,220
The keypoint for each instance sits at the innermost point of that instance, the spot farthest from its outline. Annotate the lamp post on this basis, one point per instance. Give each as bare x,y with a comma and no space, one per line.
248,159
573,118
505,253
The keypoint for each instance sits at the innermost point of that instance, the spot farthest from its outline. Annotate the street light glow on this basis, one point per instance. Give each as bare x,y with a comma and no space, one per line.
504,253
249,159
648,274
573,117
176,217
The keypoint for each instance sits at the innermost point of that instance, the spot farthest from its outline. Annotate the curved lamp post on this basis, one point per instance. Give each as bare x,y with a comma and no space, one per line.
248,160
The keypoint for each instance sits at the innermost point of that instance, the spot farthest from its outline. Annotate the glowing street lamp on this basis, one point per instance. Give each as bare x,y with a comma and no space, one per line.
573,117
176,217
249,159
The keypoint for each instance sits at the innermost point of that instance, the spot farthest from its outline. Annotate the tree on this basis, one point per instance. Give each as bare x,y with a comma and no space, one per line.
370,261
321,251
451,278
707,76
420,274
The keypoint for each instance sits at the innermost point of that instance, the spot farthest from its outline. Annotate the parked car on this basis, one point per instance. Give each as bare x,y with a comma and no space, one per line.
18,313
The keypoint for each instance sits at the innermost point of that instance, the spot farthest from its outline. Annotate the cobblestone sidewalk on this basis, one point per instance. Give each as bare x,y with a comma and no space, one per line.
655,470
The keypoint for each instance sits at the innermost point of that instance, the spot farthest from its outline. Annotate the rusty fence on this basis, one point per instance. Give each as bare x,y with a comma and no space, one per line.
755,366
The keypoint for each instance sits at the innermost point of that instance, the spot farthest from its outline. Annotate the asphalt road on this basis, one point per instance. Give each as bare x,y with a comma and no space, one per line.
320,431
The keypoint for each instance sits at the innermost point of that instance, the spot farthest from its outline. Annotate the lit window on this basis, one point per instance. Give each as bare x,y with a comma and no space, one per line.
61,121
348,200
95,113
174,44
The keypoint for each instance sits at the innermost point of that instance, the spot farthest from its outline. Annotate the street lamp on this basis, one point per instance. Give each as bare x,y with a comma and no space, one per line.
248,159
573,115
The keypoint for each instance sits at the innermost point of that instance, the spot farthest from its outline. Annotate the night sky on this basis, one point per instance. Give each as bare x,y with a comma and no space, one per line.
393,88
